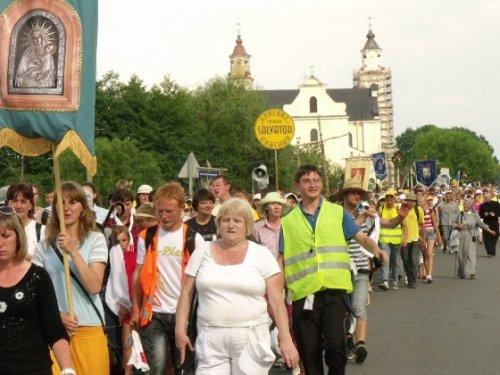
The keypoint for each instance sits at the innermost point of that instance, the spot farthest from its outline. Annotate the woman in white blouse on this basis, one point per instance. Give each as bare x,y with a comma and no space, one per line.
232,276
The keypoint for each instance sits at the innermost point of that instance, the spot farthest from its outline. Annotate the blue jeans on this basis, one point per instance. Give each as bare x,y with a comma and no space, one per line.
158,341
390,271
410,255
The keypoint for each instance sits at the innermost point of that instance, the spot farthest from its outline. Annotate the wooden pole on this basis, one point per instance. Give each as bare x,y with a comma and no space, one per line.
276,168
62,227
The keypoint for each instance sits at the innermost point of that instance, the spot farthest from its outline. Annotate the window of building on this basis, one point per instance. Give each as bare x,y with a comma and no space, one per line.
313,105
314,135
349,139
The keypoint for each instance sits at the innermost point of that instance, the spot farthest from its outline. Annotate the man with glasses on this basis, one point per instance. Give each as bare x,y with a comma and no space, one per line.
313,251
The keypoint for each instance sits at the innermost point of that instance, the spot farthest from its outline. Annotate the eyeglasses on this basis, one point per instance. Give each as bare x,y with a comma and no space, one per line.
7,210
308,181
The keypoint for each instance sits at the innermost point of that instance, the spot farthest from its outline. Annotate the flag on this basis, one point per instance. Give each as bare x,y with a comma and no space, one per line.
47,77
456,180
379,165
426,172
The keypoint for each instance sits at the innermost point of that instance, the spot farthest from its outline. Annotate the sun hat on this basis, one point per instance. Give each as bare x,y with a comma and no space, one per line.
352,184
411,196
391,192
144,189
273,197
257,357
146,210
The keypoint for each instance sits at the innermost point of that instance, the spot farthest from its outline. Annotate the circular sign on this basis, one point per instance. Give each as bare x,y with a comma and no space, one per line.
274,129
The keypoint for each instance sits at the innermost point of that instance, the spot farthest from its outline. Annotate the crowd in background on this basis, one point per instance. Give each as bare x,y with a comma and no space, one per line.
146,258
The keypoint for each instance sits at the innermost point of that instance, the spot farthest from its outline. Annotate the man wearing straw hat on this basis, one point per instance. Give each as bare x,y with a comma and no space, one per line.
313,250
351,195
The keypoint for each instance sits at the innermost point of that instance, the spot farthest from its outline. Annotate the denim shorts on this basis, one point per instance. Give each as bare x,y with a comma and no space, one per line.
431,234
359,295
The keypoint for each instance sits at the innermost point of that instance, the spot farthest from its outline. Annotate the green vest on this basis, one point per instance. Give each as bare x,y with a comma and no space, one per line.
319,260
390,235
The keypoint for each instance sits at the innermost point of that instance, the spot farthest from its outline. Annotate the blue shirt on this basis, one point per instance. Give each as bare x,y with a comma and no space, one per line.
349,226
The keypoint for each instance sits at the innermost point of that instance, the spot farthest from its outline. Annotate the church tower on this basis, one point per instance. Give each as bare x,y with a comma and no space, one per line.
240,64
373,74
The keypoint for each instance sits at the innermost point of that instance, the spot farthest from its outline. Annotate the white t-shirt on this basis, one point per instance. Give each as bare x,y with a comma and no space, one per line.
31,238
232,296
93,250
170,246
117,293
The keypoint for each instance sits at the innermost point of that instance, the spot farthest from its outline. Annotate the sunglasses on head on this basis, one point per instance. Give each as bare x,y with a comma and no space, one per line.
7,210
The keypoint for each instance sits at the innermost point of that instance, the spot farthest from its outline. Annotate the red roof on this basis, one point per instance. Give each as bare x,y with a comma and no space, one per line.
239,50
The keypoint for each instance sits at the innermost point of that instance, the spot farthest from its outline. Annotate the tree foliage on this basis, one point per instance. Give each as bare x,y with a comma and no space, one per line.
455,148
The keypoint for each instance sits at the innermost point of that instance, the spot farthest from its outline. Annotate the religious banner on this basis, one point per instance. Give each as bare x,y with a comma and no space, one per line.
426,172
379,165
47,77
360,169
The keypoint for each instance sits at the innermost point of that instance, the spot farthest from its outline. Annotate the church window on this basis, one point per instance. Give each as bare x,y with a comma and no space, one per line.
313,105
314,135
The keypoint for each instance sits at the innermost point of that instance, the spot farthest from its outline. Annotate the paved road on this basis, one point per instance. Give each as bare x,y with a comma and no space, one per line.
451,326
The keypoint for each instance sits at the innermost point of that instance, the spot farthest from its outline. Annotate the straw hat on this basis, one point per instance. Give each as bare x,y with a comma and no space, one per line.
146,210
273,197
352,184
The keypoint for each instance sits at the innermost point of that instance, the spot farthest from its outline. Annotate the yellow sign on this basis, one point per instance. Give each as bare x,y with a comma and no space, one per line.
274,129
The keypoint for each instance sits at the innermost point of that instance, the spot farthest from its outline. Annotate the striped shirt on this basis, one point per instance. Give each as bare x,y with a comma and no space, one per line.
265,235
359,255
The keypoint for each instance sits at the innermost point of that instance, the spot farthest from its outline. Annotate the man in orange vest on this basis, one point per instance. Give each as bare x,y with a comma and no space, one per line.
162,255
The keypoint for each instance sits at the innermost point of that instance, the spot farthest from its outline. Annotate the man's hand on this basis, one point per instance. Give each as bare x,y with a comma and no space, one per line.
404,210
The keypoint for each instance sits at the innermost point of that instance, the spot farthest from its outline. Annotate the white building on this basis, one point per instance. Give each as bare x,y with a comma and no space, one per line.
350,122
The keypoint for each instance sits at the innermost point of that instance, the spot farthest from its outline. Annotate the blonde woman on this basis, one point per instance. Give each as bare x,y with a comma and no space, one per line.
88,254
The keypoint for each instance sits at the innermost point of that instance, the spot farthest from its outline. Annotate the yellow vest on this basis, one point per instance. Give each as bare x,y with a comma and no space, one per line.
390,235
319,260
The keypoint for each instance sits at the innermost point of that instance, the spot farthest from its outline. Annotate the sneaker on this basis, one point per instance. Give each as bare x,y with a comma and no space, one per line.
428,280
350,354
361,353
406,280
395,287
384,285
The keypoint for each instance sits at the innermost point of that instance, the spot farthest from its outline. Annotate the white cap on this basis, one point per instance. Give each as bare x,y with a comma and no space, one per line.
479,191
144,189
257,196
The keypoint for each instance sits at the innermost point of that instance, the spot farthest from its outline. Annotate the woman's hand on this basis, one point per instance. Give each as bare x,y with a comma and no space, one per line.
182,342
67,243
71,324
289,352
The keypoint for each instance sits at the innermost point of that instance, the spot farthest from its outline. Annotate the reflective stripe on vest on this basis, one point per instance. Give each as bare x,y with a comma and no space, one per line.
390,235
319,261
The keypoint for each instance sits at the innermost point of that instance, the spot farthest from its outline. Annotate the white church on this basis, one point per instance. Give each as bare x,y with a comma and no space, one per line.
350,122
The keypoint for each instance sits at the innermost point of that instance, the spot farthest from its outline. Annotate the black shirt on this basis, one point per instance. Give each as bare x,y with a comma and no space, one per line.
208,231
29,323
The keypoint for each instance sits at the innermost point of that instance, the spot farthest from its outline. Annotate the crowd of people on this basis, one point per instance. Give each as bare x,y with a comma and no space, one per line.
220,282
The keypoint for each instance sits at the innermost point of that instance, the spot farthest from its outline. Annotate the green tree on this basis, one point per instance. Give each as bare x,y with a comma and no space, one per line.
455,148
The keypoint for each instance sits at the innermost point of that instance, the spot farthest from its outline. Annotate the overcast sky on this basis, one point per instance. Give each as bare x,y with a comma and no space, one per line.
444,54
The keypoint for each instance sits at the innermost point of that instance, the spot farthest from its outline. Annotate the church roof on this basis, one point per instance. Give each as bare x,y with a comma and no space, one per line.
360,105
370,42
239,50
